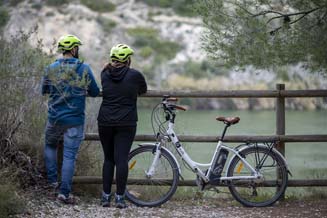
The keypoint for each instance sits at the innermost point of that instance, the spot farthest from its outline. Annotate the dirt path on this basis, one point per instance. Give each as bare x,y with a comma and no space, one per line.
40,205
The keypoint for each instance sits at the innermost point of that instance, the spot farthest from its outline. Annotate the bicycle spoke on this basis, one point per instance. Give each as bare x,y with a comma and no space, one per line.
263,191
151,190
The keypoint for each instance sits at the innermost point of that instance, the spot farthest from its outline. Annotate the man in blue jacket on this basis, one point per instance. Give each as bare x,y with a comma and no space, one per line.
67,81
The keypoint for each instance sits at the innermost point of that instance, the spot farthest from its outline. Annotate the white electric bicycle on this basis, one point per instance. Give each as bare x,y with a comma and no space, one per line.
256,174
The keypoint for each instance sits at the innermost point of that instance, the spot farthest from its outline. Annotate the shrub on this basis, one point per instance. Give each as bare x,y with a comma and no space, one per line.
107,24
146,52
56,3
22,110
143,32
38,6
147,37
15,2
99,5
10,203
4,17
181,7
50,14
197,70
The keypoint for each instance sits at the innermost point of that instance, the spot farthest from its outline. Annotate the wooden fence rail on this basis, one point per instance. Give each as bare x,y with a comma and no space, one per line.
291,183
230,138
239,93
279,94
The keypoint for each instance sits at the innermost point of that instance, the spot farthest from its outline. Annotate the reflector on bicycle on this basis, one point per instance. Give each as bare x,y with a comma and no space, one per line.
132,165
239,168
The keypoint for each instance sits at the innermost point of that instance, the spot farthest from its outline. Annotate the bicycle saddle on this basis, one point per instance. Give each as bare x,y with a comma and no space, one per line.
228,120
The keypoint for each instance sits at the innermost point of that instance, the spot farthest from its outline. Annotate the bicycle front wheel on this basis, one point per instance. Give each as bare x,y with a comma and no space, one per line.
150,191
258,192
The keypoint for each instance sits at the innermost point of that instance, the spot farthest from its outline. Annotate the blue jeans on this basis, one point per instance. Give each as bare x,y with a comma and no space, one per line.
73,137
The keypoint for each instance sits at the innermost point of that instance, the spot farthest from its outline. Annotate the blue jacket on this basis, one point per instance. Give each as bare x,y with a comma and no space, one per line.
68,81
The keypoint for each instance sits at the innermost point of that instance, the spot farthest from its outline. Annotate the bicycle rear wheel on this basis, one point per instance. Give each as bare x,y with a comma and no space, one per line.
262,192
143,190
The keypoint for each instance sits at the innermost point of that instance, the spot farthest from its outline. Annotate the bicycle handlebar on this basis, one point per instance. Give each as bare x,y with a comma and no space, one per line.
178,107
170,107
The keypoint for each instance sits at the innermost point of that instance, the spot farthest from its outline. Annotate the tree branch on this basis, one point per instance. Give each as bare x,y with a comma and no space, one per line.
267,12
304,13
244,9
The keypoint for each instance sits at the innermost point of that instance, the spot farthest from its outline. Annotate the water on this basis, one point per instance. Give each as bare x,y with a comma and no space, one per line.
306,160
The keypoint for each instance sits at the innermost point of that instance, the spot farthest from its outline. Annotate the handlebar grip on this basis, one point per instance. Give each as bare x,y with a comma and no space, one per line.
172,99
179,108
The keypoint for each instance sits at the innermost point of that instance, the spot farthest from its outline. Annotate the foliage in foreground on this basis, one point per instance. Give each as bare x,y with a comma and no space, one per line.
266,33
10,201
21,107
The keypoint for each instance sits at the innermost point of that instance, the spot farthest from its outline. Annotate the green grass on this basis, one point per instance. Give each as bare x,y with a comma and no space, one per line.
99,5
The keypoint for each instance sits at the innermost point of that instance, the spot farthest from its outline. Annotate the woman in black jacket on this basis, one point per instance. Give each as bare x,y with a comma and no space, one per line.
117,119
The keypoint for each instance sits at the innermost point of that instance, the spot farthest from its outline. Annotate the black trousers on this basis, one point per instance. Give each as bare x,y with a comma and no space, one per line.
116,144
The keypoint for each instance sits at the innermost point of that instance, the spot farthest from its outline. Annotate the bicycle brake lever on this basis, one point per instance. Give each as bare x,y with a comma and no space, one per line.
165,97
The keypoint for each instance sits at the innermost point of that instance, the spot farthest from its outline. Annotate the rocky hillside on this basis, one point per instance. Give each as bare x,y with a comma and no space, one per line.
167,44
100,30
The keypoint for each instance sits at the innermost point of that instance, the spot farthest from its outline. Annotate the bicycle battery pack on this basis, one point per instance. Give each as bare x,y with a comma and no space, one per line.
215,173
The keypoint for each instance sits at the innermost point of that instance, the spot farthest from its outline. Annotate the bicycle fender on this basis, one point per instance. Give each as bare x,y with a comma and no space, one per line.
284,159
168,151
274,150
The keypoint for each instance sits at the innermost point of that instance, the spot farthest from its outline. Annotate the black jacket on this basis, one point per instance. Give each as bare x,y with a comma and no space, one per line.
120,87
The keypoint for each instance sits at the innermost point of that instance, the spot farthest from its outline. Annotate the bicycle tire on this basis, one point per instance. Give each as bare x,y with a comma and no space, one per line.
160,187
262,193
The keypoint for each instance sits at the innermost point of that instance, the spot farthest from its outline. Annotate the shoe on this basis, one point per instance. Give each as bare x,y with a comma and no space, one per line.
54,185
52,188
120,201
105,199
66,200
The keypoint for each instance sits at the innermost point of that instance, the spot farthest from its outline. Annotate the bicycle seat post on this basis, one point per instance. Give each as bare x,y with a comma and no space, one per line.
225,129
228,121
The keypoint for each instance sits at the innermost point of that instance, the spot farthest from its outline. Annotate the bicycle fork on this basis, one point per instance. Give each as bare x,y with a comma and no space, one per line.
157,151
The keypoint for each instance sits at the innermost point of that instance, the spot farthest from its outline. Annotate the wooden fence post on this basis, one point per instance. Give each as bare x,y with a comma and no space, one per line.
280,121
280,117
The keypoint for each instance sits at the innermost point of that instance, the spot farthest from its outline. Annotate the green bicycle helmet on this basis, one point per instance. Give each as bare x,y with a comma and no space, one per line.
68,42
121,52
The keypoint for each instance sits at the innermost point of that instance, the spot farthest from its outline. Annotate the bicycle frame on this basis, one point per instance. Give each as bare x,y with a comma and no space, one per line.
161,167
195,166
